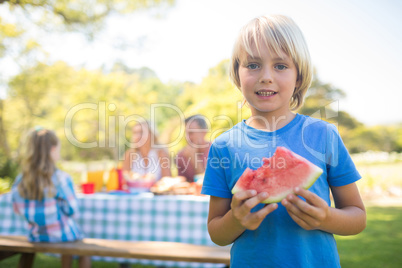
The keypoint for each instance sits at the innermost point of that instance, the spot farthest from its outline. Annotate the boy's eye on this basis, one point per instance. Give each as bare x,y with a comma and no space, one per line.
252,66
280,67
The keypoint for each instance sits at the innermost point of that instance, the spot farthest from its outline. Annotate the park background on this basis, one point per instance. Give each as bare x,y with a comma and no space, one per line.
84,68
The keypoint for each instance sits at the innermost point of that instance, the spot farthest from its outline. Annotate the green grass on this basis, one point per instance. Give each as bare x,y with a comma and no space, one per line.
379,245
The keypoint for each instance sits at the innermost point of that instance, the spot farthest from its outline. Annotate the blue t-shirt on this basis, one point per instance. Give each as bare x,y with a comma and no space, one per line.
279,241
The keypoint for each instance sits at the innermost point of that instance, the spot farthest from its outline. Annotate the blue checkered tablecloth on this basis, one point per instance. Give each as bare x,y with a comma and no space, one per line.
142,217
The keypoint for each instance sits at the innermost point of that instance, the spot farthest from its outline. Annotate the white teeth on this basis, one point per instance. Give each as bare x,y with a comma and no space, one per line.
265,93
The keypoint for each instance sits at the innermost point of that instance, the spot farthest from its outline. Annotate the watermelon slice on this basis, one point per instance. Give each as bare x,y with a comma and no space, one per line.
279,175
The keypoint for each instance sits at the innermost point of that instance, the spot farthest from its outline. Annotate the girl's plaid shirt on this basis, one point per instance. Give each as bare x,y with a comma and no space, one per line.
50,219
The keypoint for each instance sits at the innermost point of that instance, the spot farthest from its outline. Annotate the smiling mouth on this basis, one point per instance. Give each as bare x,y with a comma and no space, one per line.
265,93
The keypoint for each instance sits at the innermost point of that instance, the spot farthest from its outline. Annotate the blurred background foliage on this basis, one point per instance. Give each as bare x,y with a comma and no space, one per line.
96,106
53,95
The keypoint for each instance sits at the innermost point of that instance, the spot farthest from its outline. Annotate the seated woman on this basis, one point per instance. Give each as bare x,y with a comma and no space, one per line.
145,157
192,159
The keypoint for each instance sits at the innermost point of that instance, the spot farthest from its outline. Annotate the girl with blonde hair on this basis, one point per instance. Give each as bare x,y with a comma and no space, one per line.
44,195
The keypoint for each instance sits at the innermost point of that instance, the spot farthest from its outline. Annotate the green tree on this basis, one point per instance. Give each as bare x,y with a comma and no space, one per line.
18,41
375,138
92,101
8,32
321,101
80,15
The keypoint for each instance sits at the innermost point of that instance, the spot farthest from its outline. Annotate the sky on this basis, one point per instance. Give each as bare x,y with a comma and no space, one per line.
354,45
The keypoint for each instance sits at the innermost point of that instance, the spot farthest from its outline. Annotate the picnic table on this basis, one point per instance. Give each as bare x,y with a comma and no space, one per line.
141,217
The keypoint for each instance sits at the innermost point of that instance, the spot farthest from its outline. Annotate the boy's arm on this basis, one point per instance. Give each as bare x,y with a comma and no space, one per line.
347,218
229,218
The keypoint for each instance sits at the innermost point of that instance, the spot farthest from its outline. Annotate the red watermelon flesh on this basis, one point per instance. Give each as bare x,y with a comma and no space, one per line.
279,175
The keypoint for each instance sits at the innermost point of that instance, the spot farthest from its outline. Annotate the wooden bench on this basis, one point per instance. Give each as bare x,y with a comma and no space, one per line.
151,250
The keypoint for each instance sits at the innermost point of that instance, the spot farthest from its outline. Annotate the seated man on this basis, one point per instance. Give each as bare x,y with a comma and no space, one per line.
192,159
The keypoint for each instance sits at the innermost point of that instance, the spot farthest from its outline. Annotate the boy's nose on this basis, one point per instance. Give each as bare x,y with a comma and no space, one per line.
266,76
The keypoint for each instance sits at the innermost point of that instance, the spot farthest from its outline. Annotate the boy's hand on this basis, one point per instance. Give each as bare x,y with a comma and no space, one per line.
243,202
309,214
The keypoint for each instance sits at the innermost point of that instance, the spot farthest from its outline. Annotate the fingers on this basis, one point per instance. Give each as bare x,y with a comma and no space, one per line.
309,214
242,204
305,224
267,209
311,205
239,197
310,197
252,220
250,198
304,220
295,204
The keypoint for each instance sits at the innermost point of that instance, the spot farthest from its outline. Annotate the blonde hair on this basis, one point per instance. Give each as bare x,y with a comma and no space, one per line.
37,164
279,33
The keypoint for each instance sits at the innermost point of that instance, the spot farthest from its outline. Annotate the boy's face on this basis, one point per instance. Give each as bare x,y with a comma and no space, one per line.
267,82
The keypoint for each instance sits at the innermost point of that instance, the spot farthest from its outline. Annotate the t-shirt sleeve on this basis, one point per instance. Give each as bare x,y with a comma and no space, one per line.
215,179
340,167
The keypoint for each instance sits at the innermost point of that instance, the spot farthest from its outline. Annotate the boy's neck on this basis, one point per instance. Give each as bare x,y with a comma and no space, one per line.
270,123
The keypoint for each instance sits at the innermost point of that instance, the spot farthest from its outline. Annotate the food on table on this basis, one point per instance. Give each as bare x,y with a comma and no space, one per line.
279,175
176,186
136,180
